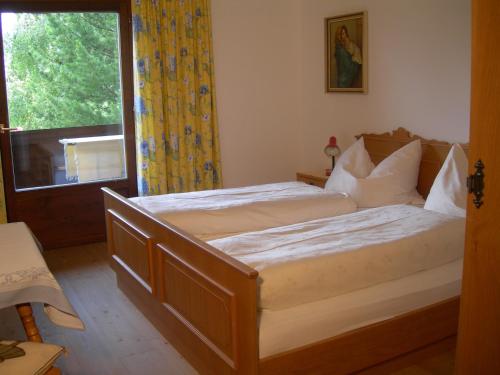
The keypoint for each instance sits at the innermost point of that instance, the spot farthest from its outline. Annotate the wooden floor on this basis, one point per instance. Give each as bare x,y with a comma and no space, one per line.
119,340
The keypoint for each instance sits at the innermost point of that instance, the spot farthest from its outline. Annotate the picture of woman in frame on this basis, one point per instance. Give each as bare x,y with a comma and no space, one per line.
346,62
348,56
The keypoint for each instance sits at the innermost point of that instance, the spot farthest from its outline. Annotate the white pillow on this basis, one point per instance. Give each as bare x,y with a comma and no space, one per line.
355,160
393,181
448,193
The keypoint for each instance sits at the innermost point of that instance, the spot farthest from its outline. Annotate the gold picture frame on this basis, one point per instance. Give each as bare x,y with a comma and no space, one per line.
346,53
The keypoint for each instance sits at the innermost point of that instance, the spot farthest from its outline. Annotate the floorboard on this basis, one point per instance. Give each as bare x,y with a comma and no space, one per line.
119,340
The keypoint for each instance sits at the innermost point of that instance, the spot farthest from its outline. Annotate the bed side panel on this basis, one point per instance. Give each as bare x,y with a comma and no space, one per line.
369,345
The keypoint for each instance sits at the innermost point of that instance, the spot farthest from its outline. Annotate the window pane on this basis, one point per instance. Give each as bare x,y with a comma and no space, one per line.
63,89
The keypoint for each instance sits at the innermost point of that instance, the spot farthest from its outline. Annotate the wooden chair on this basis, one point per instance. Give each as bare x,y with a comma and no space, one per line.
40,357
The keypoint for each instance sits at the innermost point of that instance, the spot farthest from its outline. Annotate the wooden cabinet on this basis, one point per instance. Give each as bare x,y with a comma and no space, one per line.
315,179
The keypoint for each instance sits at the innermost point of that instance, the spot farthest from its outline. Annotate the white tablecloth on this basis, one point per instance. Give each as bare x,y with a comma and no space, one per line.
25,277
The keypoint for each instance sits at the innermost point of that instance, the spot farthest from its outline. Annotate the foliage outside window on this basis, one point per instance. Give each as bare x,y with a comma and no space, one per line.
63,70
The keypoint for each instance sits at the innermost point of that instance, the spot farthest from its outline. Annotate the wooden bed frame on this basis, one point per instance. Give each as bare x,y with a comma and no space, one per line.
205,302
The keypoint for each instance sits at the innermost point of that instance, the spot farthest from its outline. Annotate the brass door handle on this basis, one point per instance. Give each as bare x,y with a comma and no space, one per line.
5,130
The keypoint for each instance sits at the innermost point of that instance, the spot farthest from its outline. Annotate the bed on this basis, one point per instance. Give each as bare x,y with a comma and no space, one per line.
205,302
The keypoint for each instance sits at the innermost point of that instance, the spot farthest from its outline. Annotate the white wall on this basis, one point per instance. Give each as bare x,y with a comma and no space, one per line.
419,74
256,50
274,115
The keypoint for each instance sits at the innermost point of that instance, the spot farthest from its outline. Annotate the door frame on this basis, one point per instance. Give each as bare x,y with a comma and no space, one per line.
127,185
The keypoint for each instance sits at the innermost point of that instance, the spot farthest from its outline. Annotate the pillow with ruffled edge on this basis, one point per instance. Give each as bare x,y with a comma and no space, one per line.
393,181
448,193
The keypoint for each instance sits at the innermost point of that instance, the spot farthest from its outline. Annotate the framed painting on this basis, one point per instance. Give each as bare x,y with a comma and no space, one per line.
346,57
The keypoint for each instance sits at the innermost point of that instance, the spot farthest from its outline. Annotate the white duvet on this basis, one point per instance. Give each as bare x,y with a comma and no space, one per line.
324,258
219,213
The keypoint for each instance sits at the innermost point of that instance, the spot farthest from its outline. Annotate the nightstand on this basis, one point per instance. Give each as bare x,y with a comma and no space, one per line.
316,179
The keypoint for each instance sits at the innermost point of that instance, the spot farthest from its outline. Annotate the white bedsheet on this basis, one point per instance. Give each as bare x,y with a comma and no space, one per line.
219,213
300,325
324,258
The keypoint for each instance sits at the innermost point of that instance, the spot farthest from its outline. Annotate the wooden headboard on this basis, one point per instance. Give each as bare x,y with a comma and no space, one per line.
379,146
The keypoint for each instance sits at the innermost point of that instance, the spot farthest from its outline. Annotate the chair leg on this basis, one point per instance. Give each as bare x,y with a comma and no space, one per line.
26,314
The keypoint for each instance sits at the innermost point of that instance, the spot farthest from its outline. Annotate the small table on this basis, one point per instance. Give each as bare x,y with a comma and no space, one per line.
90,159
316,179
25,278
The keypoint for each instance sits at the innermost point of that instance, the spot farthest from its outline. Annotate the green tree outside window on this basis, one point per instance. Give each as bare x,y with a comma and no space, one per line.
63,70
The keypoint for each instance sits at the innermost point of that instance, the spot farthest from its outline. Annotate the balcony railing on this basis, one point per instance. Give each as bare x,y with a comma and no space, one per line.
39,157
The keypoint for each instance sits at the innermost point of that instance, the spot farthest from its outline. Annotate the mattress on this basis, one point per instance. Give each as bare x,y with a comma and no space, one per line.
220,213
323,258
286,329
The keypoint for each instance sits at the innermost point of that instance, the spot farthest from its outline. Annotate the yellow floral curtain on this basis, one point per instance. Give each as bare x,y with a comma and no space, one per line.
175,113
3,213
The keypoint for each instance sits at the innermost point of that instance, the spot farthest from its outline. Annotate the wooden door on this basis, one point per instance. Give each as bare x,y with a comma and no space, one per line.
478,349
54,170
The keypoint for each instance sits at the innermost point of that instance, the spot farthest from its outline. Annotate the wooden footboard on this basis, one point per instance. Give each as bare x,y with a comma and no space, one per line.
201,300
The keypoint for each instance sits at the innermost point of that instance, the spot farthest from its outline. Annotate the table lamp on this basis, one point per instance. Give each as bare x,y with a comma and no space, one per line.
332,150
